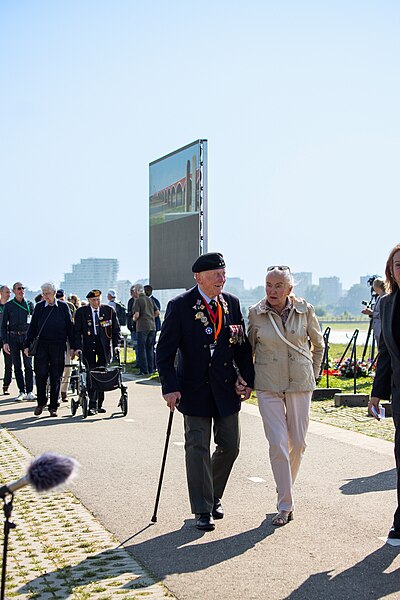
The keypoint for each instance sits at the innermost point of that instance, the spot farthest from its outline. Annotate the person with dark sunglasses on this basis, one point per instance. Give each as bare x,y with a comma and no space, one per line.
16,319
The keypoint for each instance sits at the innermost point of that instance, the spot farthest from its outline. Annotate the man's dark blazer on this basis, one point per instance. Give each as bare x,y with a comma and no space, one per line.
206,383
53,327
387,378
84,331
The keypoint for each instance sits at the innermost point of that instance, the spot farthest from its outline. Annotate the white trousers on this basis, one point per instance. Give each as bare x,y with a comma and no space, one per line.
285,417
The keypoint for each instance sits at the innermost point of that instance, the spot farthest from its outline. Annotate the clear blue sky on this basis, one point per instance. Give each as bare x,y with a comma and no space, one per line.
299,102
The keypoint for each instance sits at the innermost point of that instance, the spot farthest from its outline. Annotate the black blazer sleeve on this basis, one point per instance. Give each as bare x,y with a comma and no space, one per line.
167,347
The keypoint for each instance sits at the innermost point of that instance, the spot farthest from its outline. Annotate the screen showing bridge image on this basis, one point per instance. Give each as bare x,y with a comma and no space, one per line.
175,198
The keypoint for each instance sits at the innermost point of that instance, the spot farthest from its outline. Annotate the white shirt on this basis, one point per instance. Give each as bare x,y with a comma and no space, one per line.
93,317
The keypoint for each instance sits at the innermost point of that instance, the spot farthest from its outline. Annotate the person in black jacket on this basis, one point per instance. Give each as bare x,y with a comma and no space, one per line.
97,336
214,373
387,377
52,322
17,316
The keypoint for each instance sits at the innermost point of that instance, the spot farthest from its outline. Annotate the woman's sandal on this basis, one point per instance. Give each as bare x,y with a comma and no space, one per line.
282,518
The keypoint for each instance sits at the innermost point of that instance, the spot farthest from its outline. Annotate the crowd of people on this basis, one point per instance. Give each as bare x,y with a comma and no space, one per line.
42,339
207,363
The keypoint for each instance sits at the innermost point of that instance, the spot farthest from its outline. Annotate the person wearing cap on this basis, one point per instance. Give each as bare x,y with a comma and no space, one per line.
17,316
117,306
52,324
214,373
97,336
66,376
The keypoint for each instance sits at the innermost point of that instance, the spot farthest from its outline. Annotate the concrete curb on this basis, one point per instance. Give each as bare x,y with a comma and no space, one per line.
59,550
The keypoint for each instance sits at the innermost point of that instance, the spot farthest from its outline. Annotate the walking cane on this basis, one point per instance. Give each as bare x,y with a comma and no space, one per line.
171,416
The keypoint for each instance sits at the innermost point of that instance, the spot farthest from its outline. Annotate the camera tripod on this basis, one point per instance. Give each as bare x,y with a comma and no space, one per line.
370,329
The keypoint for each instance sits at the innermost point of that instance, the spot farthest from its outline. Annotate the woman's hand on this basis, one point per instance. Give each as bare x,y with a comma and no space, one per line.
374,403
241,389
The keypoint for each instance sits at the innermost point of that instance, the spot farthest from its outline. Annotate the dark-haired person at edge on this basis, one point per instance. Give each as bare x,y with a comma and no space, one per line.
17,316
5,294
204,328
51,321
387,377
97,336
288,347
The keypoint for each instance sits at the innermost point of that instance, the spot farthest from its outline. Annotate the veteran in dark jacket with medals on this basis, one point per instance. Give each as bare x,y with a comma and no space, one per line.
214,373
97,335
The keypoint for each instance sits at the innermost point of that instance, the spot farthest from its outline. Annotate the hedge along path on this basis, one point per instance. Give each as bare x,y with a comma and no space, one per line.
59,550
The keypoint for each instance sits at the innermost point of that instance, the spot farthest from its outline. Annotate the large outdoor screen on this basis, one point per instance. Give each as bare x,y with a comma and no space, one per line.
178,224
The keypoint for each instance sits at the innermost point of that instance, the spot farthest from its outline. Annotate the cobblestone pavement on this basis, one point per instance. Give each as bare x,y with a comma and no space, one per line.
59,550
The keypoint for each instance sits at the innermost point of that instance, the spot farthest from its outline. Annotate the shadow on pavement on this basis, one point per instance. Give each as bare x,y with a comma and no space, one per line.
102,567
45,420
379,482
366,579
170,553
175,552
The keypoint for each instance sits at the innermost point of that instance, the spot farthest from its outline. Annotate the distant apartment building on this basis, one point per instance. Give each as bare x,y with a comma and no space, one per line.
123,289
234,285
302,281
331,289
90,273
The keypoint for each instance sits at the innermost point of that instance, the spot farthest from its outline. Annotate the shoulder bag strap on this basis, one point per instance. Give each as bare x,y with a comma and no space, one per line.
45,321
300,350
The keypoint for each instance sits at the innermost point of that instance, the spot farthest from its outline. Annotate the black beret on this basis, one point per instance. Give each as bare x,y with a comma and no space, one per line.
208,262
93,294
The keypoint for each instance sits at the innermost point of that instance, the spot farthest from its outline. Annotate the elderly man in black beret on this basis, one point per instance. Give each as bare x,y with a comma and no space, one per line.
97,336
213,374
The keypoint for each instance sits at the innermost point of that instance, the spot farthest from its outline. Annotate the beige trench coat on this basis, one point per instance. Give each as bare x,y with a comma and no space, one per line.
279,368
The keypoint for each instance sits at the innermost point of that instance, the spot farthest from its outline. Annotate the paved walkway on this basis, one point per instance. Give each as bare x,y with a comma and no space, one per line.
59,550
335,548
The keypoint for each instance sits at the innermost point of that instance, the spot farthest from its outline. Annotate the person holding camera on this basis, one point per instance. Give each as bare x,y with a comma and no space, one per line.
379,288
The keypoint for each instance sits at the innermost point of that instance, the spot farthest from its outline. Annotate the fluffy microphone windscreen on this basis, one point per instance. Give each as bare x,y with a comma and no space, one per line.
50,470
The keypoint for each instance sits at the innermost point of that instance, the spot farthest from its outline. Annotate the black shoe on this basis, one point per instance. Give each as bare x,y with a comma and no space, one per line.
38,411
5,391
101,410
205,522
217,511
394,534
53,412
92,412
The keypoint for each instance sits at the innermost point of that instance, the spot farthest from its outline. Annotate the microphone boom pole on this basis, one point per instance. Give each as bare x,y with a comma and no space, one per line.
44,473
